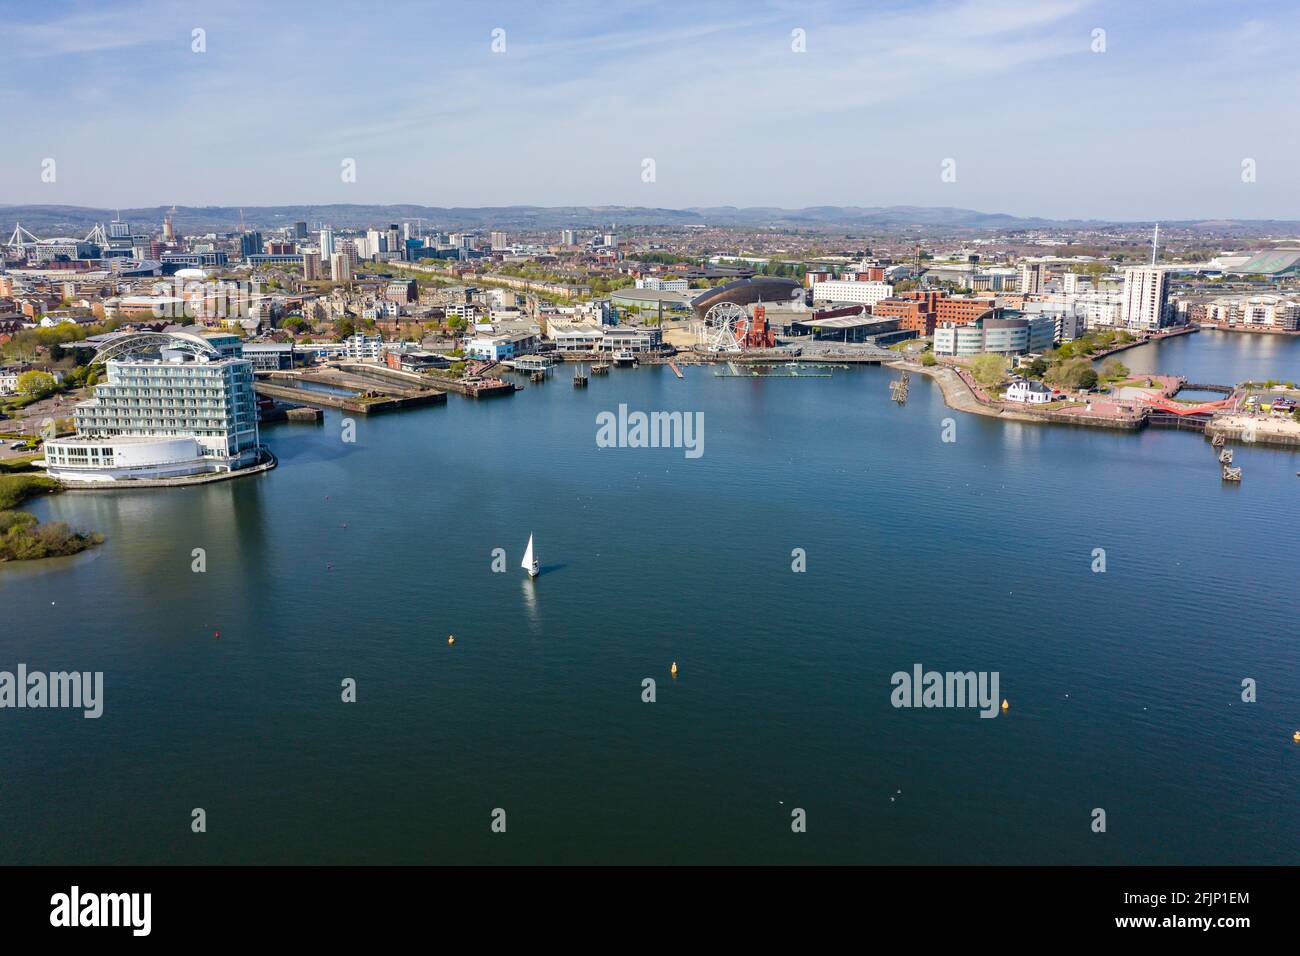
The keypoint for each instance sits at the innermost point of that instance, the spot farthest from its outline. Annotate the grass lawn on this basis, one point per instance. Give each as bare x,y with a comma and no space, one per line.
16,465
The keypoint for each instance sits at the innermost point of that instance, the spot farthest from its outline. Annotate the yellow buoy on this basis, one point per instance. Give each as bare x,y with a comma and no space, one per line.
674,669
1005,705
1296,736
451,639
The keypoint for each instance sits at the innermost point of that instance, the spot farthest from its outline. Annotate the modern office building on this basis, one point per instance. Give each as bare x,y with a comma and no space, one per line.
499,347
850,290
661,284
173,405
326,244
195,259
1012,335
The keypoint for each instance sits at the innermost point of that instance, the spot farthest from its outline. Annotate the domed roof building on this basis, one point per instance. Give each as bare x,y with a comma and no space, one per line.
744,292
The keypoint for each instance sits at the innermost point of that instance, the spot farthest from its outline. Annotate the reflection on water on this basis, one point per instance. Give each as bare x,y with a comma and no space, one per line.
530,603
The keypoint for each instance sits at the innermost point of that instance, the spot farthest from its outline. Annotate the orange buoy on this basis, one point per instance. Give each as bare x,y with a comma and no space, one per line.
1005,705
673,671
451,639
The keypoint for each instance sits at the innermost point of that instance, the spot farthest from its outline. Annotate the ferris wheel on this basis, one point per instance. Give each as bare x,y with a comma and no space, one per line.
720,330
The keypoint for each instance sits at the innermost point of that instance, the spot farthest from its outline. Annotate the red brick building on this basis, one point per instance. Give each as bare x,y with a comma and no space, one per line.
913,314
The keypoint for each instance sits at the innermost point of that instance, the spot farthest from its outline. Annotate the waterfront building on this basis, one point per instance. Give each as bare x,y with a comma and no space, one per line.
1273,312
172,405
363,348
1101,309
623,339
579,338
270,356
916,312
500,347
1011,335
1031,393
1146,297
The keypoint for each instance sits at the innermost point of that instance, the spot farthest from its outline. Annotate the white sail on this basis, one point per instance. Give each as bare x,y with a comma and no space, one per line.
530,563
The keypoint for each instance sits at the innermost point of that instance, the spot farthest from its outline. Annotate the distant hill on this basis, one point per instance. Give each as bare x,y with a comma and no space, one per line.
50,220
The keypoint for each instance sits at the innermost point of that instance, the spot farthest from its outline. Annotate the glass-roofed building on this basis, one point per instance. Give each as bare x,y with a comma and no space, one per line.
174,404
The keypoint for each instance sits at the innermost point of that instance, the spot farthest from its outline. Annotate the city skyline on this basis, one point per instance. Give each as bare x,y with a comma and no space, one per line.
1038,123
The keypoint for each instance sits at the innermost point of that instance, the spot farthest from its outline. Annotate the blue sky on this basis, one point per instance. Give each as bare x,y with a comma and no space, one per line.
1157,126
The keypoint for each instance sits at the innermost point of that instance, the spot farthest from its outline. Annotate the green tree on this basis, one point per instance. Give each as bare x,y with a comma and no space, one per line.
928,359
36,384
989,368
1077,373
1114,369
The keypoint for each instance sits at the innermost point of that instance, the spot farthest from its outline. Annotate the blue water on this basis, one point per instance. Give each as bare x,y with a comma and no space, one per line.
1213,357
1124,686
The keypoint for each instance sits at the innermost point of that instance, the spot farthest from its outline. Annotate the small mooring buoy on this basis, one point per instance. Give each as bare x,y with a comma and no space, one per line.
451,639
1005,705
673,670
1296,736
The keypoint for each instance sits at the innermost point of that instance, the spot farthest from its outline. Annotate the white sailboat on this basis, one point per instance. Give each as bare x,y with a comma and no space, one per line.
530,563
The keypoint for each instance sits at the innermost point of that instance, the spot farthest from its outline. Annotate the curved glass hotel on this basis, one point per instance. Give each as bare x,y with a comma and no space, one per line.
175,404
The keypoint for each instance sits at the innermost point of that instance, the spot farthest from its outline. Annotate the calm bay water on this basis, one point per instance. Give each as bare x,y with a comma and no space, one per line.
1219,358
1124,686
